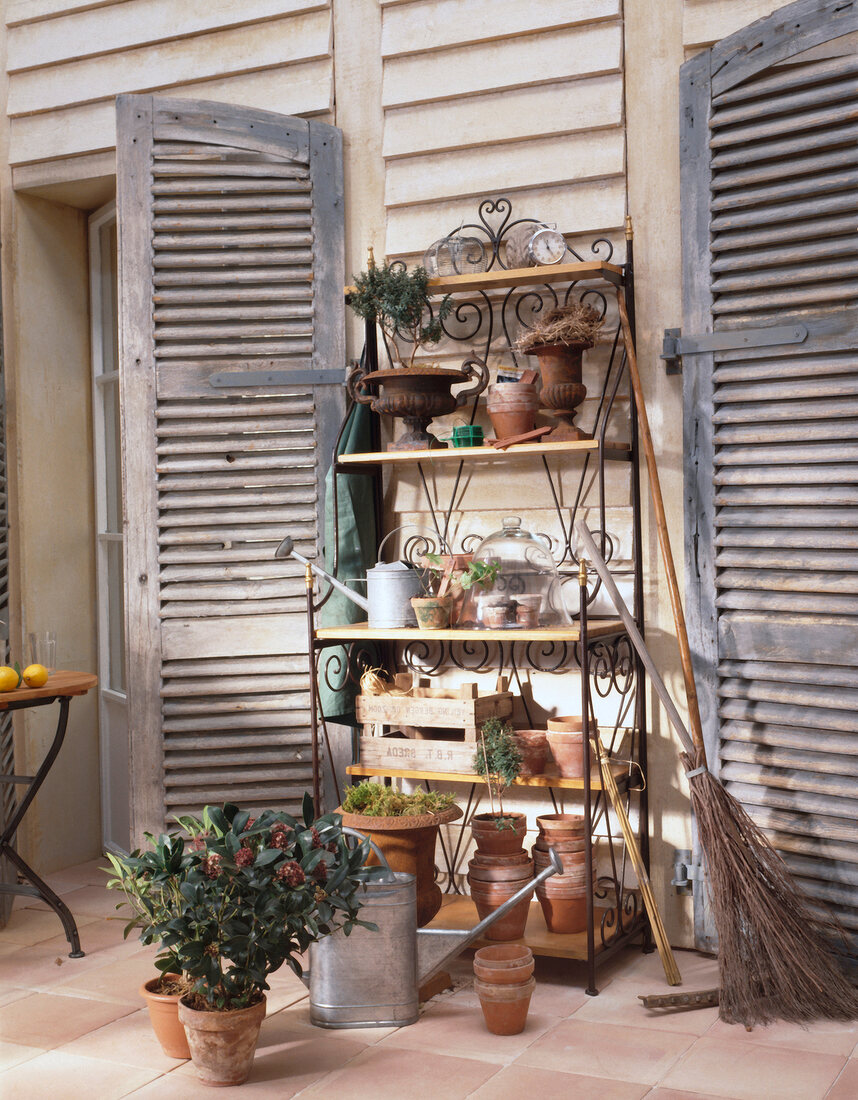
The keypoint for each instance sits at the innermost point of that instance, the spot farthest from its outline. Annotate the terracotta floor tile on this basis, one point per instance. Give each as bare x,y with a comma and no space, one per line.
824,1036
698,971
46,964
11,1054
620,1053
83,874
516,1082
677,1094
118,980
746,1071
47,1021
29,926
90,901
129,1040
846,1085
10,993
460,1029
548,999
384,1073
619,1004
65,1077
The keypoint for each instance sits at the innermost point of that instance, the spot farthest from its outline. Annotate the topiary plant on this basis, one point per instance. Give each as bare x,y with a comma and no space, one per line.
498,760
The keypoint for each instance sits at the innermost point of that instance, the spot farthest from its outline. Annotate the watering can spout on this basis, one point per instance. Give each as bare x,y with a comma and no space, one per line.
437,947
286,549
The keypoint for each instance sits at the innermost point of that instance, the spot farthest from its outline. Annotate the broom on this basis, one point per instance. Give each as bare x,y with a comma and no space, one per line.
773,959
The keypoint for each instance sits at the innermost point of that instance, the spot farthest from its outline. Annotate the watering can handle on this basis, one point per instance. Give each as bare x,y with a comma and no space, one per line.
378,852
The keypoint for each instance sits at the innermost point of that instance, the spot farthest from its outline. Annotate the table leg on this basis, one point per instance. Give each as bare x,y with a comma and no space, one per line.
42,889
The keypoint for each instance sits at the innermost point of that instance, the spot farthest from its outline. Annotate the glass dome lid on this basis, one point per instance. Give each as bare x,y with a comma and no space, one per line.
519,588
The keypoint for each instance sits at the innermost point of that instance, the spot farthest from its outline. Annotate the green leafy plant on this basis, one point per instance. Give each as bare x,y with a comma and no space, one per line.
483,573
376,800
230,898
498,761
396,299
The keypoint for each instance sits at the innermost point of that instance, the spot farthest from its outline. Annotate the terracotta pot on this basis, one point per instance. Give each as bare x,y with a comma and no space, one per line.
164,1017
513,871
488,896
571,860
564,847
433,612
505,1007
564,902
512,408
223,1044
511,975
496,616
569,723
494,841
503,964
408,844
481,859
533,746
554,827
562,390
567,750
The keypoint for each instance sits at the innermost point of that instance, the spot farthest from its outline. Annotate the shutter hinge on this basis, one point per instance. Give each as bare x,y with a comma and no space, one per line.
685,871
675,345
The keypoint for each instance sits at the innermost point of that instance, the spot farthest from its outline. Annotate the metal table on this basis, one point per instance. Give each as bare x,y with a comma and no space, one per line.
61,686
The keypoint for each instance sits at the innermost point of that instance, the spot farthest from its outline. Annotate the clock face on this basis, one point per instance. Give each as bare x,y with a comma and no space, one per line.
547,246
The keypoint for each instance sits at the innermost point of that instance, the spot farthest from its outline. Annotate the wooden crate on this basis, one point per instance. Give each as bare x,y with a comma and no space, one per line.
435,708
417,754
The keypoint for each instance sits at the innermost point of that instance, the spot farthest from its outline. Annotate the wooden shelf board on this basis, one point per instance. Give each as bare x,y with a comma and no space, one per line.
350,632
458,911
60,683
480,454
620,774
503,278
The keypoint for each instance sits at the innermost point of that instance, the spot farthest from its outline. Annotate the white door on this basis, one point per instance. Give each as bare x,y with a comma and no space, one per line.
112,705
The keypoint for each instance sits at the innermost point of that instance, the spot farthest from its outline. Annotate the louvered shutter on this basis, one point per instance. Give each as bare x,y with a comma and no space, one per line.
231,271
770,185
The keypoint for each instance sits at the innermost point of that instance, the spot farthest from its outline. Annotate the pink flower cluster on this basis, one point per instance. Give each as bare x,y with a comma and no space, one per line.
211,865
244,857
279,836
291,873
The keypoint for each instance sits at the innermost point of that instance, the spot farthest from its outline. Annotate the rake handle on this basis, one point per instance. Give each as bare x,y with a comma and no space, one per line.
663,536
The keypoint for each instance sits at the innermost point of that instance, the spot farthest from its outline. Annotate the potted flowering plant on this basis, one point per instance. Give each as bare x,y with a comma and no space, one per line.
250,895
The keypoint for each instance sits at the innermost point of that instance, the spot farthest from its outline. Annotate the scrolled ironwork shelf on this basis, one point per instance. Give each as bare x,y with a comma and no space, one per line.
483,454
363,632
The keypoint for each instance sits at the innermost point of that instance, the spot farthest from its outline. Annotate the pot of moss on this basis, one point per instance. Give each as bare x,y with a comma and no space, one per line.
405,827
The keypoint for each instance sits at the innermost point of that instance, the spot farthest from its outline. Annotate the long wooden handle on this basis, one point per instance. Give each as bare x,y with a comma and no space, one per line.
663,536
671,970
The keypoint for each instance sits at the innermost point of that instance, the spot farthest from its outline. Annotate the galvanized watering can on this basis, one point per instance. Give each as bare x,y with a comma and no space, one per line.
372,979
389,587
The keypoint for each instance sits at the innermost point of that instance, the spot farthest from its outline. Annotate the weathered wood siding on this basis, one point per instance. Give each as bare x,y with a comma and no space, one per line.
68,61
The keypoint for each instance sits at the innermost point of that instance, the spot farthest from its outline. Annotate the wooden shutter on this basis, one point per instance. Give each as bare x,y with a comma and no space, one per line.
770,186
231,275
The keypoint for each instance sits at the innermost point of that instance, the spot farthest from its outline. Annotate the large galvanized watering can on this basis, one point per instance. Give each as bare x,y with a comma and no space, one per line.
372,979
389,587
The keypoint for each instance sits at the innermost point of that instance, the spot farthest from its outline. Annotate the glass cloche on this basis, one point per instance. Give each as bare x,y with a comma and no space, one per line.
523,592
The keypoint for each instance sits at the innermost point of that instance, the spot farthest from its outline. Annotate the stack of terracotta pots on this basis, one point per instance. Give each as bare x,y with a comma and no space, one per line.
566,740
499,869
504,982
512,408
563,897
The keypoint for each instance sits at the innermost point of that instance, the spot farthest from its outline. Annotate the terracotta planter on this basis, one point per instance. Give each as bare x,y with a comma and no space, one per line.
527,610
223,1044
512,408
567,750
455,564
564,902
554,827
503,964
164,1017
569,723
533,746
408,844
562,387
433,612
518,871
494,841
488,896
505,1007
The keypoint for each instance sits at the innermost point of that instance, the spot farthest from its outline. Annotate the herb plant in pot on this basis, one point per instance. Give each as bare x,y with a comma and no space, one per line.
255,894
457,574
405,827
559,340
500,866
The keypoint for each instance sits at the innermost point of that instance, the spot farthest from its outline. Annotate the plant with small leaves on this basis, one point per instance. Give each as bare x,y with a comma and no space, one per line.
396,299
483,573
376,800
498,761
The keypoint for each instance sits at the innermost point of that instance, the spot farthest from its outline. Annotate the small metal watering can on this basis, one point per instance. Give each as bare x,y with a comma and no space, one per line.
372,979
389,587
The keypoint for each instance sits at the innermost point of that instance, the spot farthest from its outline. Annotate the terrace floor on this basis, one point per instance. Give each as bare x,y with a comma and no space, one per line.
75,1028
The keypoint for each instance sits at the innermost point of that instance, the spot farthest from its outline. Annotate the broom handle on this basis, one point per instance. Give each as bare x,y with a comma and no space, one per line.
671,970
635,635
663,536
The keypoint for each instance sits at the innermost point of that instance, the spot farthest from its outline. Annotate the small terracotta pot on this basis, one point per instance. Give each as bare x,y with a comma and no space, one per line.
496,616
512,408
514,871
505,1007
488,896
492,840
570,723
481,859
511,975
433,612
564,902
559,827
223,1044
503,964
533,746
567,750
164,1017
571,860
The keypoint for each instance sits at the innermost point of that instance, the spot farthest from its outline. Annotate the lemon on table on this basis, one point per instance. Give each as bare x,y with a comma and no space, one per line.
9,678
35,676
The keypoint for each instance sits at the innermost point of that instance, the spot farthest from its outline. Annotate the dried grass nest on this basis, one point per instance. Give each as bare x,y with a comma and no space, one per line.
576,323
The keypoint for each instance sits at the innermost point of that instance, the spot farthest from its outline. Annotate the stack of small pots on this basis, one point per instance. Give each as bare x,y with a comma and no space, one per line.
566,740
504,982
563,897
512,408
499,869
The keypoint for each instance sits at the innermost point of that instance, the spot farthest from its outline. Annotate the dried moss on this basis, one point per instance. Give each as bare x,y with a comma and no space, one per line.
375,800
576,323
